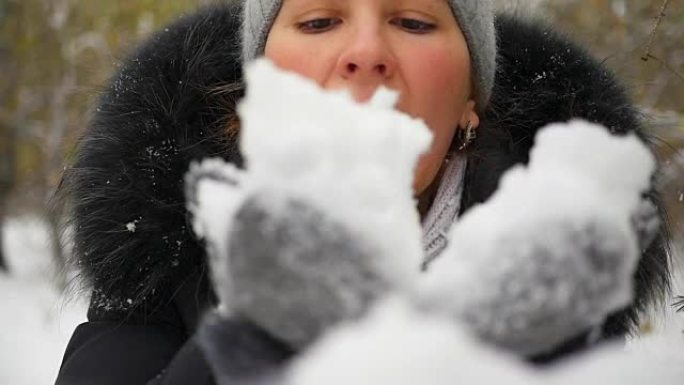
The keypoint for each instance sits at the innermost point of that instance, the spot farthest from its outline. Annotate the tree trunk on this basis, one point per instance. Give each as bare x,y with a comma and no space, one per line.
3,261
51,169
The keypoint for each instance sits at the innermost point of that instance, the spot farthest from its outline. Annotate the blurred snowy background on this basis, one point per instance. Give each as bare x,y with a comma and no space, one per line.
54,54
37,318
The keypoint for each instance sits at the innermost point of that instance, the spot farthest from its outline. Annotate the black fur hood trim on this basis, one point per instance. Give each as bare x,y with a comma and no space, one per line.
170,102
162,110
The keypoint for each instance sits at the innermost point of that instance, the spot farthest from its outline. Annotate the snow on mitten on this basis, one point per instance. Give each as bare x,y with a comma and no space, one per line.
554,251
646,222
323,220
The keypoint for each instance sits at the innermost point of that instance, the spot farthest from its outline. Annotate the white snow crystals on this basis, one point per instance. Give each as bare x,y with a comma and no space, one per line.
356,162
131,227
214,199
398,345
353,162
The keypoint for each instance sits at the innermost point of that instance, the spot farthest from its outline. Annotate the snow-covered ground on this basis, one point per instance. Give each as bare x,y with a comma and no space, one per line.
36,321
664,332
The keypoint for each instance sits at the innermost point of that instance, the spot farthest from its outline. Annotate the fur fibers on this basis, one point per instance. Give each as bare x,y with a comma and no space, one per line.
172,99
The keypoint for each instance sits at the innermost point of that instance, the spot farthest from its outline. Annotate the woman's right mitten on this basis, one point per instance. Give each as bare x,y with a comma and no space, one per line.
324,220
296,272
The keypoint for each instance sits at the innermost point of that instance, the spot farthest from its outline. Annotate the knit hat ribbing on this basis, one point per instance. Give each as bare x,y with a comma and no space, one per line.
475,17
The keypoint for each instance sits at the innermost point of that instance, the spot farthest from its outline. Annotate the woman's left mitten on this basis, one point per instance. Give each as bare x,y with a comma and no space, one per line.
554,252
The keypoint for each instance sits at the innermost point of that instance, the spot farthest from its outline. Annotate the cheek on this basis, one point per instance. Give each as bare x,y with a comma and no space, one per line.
439,96
303,59
438,84
291,59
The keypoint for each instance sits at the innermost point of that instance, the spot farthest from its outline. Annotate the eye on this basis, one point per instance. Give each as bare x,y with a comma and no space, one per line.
318,25
413,25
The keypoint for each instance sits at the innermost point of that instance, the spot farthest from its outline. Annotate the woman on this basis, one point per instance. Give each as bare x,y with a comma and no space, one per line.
173,102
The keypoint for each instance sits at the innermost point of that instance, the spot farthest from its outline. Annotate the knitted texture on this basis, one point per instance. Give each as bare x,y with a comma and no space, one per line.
475,17
444,210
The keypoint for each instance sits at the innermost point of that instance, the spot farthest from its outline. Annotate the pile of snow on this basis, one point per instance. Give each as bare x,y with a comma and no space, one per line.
400,345
37,320
662,335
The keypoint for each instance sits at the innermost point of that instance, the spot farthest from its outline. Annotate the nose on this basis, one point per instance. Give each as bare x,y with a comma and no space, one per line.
366,62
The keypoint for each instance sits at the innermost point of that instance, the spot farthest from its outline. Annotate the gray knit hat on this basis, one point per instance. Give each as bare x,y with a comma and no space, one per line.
475,17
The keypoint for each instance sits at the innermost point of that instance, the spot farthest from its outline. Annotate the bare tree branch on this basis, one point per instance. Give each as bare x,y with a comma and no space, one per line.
654,31
667,66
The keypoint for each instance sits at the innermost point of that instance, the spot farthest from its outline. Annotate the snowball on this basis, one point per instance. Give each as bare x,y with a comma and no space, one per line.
589,156
553,251
215,195
354,162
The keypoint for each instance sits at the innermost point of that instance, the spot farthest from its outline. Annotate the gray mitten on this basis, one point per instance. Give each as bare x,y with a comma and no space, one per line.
278,262
295,272
646,222
554,251
537,292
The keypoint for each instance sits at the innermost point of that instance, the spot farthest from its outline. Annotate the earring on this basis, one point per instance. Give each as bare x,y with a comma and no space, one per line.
466,136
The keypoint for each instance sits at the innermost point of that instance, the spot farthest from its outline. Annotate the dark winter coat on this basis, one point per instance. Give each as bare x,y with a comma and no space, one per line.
171,103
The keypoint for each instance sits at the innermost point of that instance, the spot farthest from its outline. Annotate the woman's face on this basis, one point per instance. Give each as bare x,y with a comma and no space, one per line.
412,46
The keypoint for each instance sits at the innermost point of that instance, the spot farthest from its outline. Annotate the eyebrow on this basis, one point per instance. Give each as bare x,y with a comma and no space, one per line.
434,4
304,2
